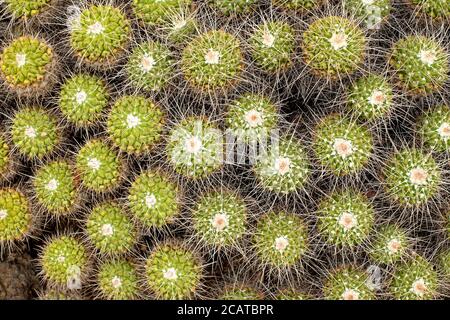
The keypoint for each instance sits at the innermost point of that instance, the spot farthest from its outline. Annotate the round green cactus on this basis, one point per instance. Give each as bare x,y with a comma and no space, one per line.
345,218
414,280
297,5
251,117
333,46
180,26
118,280
435,9
372,12
370,97
100,34
25,9
421,64
273,46
135,124
150,66
280,239
290,294
56,188
195,147
26,64
240,291
284,168
434,128
212,61
35,132
64,261
389,246
156,12
6,160
153,199
219,219
110,230
82,99
15,215
173,272
341,145
99,167
347,284
412,177
229,7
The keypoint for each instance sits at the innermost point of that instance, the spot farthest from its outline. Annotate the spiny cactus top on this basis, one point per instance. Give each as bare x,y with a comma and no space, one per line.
298,5
135,124
212,60
27,8
434,128
99,34
347,284
26,63
280,239
118,280
412,177
35,132
154,12
15,215
229,7
82,99
173,272
180,26
341,145
251,117
345,218
283,167
420,64
240,291
370,97
389,246
219,219
435,9
333,46
414,280
55,187
371,11
153,199
195,148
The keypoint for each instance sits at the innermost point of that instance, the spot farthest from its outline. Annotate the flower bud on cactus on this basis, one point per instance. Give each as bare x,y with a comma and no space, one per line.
435,9
118,280
347,284
372,12
15,216
135,124
333,46
434,128
25,9
273,46
389,246
229,7
420,64
155,12
173,272
240,291
82,99
301,6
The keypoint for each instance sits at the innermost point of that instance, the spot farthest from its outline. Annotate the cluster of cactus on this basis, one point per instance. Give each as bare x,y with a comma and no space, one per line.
227,149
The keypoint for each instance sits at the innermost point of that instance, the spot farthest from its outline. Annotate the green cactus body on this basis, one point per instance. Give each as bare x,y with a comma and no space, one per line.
435,9
172,272
82,99
153,199
444,263
414,280
5,158
434,128
273,46
64,261
341,145
240,292
347,284
100,34
345,218
156,12
412,177
35,132
389,246
284,168
280,239
297,5
180,26
290,294
15,215
229,7
135,124
25,9
110,230
26,63
370,98
212,60
420,63
98,166
251,117
371,11
333,46
118,280
195,148
55,187
219,219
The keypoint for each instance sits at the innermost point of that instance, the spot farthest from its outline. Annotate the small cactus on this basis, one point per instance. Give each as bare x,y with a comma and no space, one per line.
389,246
26,9
118,280
347,283
15,216
155,12
434,128
180,26
372,12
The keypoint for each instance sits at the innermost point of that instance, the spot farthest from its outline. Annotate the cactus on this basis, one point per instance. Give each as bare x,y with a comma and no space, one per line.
16,219
333,46
26,9
290,294
59,294
135,124
444,264
6,159
389,246
154,12
420,64
82,99
229,7
434,128
341,145
240,291
372,12
301,6
273,46
434,9
180,26
347,283
118,280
